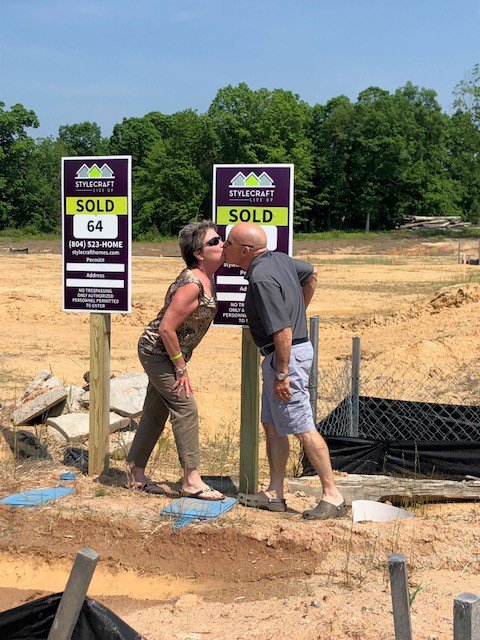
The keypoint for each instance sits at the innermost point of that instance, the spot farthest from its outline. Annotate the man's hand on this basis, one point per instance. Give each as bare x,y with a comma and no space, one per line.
281,390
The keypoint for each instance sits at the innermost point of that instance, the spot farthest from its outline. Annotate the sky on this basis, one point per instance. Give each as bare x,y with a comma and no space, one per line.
103,60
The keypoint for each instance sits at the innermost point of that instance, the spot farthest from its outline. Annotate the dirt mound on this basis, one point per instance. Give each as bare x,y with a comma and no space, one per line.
455,296
445,298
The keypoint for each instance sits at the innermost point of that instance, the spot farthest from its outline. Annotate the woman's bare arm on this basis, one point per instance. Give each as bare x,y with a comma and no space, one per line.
183,302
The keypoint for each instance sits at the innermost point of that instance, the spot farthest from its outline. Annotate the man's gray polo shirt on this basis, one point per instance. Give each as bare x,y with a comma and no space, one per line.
274,298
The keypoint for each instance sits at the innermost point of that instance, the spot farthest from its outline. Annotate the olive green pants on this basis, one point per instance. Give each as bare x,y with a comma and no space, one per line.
161,402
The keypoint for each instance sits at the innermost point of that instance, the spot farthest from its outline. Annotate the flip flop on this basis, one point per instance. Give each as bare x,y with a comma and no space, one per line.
325,511
199,496
262,501
148,487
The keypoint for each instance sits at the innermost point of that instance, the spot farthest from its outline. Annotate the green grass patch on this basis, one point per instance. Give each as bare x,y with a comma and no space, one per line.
20,235
352,234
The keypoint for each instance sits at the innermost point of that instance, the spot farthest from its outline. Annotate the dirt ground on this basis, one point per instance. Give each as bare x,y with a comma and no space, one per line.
250,574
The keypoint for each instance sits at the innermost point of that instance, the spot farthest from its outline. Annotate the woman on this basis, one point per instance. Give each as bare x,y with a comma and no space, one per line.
164,349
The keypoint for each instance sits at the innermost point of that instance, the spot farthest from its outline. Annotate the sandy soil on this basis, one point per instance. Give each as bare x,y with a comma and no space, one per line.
250,575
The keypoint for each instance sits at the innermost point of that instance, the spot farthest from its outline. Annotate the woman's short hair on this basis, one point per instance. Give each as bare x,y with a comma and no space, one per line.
191,239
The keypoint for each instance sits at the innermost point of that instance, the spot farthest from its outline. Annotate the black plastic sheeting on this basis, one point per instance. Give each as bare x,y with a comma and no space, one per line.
407,458
445,457
33,621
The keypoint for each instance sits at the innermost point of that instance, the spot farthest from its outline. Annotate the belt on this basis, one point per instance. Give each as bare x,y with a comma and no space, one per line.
270,348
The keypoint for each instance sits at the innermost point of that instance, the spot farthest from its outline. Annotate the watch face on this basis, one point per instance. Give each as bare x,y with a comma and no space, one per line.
281,376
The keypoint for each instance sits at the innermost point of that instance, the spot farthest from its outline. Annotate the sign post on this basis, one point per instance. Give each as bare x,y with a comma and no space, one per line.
96,234
262,194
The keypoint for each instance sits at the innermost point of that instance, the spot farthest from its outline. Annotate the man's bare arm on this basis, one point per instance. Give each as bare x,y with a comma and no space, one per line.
309,287
283,344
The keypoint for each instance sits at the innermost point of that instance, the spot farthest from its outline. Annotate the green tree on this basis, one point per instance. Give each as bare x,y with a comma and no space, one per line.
82,139
266,127
463,146
174,184
16,148
135,137
332,139
467,95
45,173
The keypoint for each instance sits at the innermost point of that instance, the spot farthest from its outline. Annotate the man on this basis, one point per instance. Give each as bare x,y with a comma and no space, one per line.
279,291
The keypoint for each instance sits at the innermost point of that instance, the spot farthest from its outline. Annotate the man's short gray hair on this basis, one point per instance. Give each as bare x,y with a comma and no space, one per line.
191,239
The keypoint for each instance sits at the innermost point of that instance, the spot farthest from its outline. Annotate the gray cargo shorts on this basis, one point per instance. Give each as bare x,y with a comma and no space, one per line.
295,415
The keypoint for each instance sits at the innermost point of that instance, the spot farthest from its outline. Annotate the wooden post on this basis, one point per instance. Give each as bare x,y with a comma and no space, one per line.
400,596
459,257
99,393
356,349
74,595
249,420
313,381
466,617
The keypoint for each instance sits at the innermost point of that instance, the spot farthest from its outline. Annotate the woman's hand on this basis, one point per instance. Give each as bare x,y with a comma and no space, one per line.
182,383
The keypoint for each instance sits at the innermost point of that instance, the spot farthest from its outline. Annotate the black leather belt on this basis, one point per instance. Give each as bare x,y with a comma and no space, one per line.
270,348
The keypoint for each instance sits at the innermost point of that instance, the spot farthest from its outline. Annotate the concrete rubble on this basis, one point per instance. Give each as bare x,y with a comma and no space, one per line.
64,410
74,427
38,405
127,394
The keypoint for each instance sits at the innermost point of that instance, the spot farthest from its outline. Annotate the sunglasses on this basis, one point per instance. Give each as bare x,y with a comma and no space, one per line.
213,242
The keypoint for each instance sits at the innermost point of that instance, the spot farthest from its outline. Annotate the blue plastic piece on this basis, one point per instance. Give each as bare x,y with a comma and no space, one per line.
186,510
35,497
68,475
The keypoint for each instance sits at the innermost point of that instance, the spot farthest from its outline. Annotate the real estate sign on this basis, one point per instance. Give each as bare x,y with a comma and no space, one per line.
96,230
262,194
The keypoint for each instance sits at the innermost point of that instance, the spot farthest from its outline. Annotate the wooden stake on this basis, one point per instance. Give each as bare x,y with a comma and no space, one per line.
99,431
249,419
466,617
356,354
400,596
74,595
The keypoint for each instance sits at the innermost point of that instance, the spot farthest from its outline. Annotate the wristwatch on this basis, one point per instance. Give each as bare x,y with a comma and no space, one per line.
281,376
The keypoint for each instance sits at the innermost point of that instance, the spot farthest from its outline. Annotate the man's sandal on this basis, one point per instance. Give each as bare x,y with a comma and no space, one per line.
262,501
325,511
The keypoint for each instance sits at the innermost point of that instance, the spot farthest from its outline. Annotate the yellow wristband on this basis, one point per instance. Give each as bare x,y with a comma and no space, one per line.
177,357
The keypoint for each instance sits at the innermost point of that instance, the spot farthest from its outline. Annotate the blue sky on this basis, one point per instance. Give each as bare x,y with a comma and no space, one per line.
76,60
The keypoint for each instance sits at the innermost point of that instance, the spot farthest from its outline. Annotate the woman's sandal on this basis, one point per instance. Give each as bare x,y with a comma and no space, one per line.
147,487
199,496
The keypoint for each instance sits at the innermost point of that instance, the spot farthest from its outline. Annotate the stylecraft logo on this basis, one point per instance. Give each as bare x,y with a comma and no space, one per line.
252,187
95,178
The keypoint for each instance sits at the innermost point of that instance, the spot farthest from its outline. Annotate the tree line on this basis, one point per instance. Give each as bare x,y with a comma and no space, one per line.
358,164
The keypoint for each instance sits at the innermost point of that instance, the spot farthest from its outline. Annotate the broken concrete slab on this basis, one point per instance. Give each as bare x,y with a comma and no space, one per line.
74,395
39,405
75,426
127,394
37,382
51,383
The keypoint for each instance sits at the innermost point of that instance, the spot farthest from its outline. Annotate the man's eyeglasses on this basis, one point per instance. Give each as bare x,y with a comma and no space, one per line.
229,243
213,242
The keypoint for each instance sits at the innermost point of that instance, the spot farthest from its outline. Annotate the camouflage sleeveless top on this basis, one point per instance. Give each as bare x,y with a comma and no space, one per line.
192,329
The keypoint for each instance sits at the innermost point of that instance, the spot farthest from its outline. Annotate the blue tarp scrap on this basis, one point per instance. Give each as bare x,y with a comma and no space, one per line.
186,510
36,497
